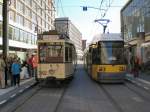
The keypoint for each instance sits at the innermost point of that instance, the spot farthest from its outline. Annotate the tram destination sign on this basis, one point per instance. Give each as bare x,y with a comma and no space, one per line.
48,37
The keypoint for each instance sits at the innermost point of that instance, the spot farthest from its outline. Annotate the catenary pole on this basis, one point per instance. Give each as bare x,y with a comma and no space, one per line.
5,44
5,41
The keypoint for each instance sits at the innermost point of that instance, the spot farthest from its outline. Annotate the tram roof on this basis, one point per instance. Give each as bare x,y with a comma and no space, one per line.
107,37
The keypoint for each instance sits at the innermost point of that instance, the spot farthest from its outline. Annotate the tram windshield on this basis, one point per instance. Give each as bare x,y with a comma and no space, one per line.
50,52
112,52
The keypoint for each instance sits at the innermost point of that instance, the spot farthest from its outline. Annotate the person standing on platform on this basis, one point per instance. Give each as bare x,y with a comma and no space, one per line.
29,62
136,66
16,69
34,65
2,71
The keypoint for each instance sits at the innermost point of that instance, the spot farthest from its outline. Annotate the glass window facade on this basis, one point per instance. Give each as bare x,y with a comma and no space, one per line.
13,3
17,34
26,13
12,15
135,18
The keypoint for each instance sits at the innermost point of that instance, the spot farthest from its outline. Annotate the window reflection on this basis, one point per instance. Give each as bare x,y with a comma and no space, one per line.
50,52
112,53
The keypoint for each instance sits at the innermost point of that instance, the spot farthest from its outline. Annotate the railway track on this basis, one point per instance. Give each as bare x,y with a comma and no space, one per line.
51,97
135,96
141,92
111,99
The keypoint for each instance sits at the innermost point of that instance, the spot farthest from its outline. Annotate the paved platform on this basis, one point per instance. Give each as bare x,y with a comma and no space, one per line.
11,92
143,80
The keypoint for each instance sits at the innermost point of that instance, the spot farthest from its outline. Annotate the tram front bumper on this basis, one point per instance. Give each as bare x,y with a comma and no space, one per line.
111,77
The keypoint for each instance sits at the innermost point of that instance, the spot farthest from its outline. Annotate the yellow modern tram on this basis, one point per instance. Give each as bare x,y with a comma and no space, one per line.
104,58
56,57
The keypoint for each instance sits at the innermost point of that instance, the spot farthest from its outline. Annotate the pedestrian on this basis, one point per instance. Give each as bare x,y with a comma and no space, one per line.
136,66
29,63
24,71
16,69
34,65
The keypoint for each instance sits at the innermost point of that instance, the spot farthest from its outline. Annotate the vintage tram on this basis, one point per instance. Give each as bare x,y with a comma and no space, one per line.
56,56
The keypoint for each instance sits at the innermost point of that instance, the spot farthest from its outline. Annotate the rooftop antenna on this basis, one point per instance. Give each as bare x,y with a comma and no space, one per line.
103,22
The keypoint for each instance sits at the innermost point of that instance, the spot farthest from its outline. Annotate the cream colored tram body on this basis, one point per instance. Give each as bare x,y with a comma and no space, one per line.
56,57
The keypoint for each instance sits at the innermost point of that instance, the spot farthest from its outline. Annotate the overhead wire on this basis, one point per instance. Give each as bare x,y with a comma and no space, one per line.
94,28
62,8
102,16
57,7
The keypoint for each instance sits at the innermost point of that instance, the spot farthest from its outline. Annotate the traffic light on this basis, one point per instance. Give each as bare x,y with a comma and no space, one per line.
84,8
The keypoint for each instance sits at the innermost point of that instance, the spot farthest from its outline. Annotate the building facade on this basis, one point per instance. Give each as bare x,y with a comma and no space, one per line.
135,28
64,25
26,19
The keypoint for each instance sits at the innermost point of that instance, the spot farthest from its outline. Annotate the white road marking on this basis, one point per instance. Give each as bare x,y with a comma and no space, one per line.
20,91
144,81
2,102
146,88
27,87
137,99
13,95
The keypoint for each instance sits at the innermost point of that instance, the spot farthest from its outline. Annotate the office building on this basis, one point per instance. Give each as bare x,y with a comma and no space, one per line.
26,19
64,25
135,28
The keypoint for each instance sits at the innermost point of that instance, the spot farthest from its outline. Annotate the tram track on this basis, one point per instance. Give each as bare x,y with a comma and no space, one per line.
60,99
29,97
22,102
139,85
118,100
111,99
138,91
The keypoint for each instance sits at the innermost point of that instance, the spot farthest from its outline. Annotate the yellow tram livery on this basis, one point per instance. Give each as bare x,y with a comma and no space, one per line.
104,58
56,56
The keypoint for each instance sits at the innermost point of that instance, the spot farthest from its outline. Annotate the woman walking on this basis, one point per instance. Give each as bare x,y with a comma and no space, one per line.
16,69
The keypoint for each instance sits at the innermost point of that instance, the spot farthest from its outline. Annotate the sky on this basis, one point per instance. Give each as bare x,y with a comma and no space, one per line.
84,20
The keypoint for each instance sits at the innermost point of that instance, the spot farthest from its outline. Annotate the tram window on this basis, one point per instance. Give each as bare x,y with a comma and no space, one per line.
112,53
66,54
70,54
95,56
48,52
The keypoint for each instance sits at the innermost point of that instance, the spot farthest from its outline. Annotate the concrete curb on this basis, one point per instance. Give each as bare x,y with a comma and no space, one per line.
16,94
139,82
